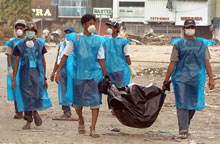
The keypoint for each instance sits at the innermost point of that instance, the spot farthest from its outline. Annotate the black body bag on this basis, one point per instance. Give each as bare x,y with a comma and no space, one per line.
134,106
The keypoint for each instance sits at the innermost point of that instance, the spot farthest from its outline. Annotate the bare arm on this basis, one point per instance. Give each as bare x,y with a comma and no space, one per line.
9,52
54,69
102,64
45,76
170,70
128,60
15,66
209,72
62,63
9,60
167,77
16,62
44,63
55,64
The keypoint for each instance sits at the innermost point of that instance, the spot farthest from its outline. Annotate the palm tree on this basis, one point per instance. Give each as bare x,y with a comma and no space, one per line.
12,10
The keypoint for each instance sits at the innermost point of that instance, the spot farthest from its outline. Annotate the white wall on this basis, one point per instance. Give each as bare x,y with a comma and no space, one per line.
218,8
156,11
131,14
217,31
196,9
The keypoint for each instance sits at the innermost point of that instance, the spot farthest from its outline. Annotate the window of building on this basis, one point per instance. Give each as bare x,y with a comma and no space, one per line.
131,4
72,8
54,2
102,3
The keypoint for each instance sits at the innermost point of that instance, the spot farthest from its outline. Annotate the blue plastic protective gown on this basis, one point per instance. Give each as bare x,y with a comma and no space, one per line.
62,85
189,75
115,61
87,73
12,44
30,92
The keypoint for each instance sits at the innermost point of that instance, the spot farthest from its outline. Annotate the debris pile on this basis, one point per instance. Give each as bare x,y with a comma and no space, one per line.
149,39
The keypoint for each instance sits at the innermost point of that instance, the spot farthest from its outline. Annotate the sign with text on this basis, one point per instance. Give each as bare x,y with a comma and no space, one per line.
45,12
102,12
198,11
137,12
159,19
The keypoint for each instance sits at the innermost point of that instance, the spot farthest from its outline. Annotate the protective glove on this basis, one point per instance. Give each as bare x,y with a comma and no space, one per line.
132,71
166,85
10,72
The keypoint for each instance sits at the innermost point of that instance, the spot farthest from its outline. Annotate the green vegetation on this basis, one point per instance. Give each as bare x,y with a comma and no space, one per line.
10,12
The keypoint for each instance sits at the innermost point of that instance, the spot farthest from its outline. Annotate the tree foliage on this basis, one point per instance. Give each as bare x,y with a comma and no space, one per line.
12,10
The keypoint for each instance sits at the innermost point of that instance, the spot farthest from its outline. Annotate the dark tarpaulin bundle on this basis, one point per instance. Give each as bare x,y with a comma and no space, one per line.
134,106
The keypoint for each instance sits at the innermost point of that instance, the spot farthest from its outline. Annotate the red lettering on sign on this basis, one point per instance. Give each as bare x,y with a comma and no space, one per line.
159,18
193,18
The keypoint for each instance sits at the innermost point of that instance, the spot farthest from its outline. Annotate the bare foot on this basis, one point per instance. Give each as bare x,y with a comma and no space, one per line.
27,126
81,129
94,134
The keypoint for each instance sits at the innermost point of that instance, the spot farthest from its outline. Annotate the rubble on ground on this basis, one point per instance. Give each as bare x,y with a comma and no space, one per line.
149,39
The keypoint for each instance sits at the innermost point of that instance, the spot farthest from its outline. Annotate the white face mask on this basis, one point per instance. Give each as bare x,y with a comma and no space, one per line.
19,32
109,31
91,29
190,32
30,44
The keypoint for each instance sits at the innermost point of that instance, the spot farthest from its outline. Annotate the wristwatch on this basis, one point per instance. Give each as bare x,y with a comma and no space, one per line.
45,78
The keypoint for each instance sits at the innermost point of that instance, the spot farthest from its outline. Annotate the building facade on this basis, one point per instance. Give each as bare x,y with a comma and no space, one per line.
164,16
138,16
58,14
216,22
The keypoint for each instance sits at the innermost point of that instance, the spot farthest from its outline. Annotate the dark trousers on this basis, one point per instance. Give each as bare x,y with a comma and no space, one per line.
66,110
16,107
28,116
184,117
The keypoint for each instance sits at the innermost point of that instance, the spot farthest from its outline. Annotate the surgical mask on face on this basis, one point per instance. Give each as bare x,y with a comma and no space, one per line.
91,29
30,44
30,34
19,32
109,31
68,36
190,32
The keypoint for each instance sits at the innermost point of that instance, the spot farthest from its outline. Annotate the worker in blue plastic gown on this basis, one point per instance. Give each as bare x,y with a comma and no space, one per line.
10,45
117,59
29,77
62,86
189,61
88,72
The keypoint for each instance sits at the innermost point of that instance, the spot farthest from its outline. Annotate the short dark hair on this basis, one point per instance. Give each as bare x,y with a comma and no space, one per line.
86,18
19,24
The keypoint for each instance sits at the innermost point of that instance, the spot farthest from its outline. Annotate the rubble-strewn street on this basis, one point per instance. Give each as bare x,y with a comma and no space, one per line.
150,63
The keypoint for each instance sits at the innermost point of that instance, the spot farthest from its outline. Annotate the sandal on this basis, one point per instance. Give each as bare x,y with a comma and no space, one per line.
81,129
37,119
94,134
184,135
26,127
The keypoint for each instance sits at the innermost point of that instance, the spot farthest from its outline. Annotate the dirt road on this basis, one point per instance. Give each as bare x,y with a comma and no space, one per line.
151,63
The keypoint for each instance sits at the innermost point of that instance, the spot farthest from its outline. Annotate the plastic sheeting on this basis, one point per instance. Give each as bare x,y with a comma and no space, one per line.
12,44
189,75
115,61
66,70
134,106
30,92
86,73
